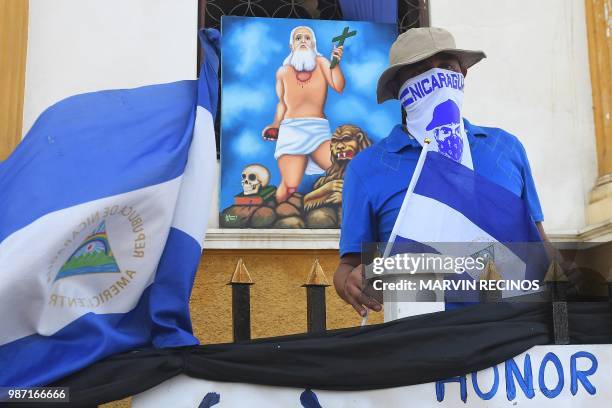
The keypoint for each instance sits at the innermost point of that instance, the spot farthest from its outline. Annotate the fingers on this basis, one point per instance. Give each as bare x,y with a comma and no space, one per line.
358,308
337,52
360,301
354,293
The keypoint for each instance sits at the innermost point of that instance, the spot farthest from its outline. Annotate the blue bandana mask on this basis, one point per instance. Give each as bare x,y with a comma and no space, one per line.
433,101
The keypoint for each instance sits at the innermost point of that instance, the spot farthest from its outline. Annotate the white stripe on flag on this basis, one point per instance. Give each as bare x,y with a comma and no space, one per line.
199,179
436,224
427,220
29,276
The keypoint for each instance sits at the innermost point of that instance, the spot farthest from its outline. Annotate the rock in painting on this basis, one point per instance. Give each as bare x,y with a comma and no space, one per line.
263,217
324,217
289,222
287,210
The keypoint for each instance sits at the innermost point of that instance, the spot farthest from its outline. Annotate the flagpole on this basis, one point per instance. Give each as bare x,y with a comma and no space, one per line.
413,181
415,177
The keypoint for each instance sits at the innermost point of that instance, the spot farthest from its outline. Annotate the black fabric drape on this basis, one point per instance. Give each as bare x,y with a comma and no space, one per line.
403,352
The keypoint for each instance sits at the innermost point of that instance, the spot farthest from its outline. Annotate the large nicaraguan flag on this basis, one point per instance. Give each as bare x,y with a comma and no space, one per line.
455,211
104,210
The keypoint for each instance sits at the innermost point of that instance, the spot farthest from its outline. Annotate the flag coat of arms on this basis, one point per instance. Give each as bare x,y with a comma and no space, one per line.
105,205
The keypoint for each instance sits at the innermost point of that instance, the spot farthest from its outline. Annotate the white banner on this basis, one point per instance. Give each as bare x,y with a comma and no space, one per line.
545,376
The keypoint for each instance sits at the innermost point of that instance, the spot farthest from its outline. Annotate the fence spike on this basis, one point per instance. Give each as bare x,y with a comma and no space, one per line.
241,274
241,302
490,273
316,285
316,277
555,273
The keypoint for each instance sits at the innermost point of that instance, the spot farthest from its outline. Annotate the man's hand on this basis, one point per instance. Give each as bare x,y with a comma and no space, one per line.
270,133
337,53
354,295
349,282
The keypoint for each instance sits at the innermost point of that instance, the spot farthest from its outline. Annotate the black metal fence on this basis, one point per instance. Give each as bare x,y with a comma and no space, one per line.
556,281
241,282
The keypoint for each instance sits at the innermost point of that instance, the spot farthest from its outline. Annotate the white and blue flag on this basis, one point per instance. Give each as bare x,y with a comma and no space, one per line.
451,210
104,210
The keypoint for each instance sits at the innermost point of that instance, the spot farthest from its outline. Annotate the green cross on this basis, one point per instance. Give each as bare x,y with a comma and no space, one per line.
340,39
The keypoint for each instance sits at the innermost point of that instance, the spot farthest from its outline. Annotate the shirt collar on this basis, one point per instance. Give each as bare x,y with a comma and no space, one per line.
398,139
473,130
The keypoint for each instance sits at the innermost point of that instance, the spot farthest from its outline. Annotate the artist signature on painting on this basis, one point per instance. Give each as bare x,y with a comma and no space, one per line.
230,218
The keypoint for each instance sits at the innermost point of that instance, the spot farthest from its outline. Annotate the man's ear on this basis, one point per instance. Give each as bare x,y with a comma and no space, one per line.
464,71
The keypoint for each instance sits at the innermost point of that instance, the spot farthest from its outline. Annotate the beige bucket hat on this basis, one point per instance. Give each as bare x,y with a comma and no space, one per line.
418,44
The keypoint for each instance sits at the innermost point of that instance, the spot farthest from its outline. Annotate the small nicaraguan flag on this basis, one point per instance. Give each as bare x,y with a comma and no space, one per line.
455,211
104,210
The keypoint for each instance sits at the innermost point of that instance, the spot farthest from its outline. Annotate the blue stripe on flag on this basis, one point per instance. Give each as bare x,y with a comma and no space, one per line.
171,291
404,245
80,149
38,360
499,212
208,91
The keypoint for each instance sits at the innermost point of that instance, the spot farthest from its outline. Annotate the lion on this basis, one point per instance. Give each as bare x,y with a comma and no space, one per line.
346,142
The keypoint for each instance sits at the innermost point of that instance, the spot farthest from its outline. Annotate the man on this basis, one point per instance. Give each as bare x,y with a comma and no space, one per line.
303,144
376,180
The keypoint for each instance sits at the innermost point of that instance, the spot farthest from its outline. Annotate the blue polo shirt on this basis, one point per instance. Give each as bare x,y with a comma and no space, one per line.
376,180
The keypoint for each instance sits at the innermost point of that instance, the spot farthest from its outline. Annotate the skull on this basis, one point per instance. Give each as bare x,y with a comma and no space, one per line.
254,177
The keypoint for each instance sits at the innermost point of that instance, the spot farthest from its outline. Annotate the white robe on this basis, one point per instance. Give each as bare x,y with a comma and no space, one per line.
302,136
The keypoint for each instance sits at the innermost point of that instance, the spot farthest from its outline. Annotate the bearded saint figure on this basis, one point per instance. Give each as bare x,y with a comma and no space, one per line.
300,127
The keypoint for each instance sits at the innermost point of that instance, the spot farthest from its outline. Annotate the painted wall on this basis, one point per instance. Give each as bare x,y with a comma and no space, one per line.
80,46
535,84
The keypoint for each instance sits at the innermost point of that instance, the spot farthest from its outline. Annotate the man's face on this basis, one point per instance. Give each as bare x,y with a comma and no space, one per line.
302,39
443,61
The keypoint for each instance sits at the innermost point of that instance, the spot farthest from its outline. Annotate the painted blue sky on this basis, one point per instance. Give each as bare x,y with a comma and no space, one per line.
251,52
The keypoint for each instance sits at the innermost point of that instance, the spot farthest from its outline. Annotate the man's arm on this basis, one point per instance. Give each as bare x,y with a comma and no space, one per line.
281,108
349,283
551,251
333,76
357,228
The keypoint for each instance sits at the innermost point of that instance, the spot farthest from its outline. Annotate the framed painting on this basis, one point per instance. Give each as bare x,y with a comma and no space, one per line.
298,104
